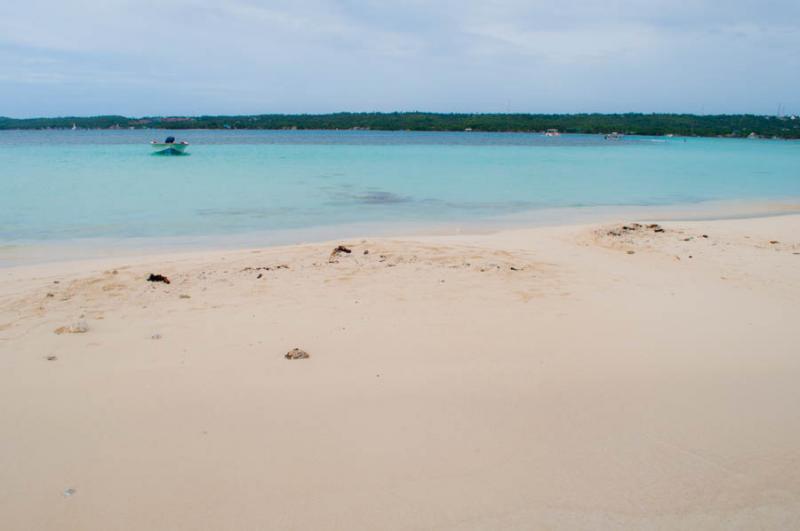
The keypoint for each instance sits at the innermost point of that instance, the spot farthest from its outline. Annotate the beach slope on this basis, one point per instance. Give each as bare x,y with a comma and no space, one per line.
640,376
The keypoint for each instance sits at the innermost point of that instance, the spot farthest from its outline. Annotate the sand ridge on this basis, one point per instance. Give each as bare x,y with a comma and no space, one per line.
253,274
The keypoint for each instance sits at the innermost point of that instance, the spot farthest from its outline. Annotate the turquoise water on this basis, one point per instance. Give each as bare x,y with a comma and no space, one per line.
66,185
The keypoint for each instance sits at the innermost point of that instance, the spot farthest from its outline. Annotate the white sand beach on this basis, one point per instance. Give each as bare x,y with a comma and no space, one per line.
569,377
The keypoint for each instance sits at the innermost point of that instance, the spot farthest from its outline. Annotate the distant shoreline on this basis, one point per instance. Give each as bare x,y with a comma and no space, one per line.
635,124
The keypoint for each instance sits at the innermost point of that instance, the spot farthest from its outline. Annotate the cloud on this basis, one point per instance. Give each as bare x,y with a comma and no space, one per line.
326,55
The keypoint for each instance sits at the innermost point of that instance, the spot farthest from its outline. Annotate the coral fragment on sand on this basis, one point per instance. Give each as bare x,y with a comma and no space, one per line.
297,354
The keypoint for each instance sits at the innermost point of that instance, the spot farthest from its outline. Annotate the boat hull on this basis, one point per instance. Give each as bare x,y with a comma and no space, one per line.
161,148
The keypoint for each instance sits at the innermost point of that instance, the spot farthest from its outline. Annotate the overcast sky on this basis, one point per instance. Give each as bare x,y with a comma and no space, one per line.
142,57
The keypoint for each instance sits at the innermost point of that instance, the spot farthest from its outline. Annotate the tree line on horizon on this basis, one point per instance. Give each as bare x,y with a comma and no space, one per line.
727,125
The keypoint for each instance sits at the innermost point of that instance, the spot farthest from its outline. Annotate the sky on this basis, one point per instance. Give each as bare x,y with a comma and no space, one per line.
190,57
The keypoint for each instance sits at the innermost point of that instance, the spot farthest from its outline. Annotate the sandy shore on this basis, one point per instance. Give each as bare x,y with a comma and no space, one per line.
574,377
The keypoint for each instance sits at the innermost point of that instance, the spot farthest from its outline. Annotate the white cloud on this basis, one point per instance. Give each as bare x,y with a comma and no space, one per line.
320,55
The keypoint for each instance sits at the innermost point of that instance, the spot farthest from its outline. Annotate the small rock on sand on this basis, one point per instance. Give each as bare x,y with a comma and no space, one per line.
158,278
297,354
51,358
184,296
631,252
79,327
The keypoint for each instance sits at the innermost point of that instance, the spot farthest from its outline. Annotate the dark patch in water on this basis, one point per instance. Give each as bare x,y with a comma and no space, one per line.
381,198
344,194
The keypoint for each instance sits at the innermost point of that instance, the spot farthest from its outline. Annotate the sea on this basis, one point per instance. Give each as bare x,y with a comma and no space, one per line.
71,194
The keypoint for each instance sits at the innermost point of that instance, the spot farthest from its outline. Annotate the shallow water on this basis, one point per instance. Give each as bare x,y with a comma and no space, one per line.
58,186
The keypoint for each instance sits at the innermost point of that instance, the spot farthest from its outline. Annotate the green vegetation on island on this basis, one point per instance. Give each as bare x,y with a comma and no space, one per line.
726,125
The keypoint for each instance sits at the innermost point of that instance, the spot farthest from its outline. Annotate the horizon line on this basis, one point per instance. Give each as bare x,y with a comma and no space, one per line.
388,113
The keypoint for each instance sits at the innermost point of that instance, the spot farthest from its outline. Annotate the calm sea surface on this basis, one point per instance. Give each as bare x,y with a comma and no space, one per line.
58,186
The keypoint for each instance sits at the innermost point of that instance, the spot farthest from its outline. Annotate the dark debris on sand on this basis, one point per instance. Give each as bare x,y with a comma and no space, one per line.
266,268
297,354
634,227
338,251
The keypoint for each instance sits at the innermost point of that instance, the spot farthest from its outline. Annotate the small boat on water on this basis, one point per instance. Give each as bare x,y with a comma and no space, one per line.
614,136
552,132
169,146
